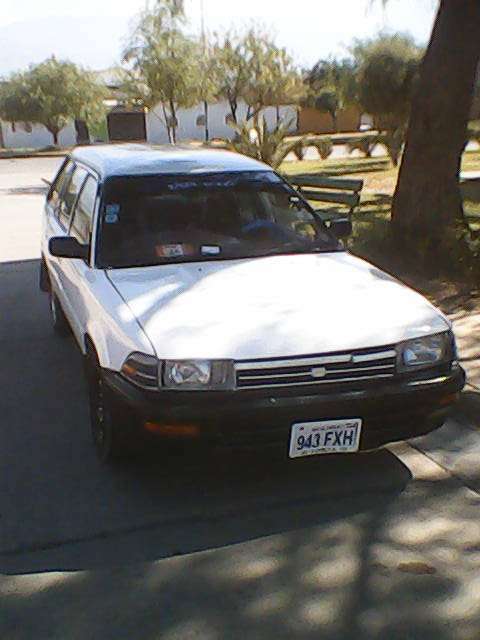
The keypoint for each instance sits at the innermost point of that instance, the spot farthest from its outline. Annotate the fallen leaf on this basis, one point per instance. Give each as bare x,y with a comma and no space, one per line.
418,568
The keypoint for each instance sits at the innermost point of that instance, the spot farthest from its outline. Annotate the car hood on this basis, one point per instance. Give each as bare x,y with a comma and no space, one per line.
274,306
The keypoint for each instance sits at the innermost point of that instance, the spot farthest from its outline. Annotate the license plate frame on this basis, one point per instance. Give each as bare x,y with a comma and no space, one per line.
344,437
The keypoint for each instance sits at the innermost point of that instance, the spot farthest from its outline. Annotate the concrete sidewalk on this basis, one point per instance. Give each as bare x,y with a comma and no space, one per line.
467,331
466,325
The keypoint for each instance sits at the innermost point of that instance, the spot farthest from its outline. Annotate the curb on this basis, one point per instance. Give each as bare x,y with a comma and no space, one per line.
21,156
469,406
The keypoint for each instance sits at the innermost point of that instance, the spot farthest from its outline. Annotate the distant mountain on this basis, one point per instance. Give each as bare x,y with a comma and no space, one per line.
92,42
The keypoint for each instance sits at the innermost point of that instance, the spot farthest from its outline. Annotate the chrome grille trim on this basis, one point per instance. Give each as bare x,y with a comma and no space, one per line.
301,362
359,365
313,381
306,373
368,357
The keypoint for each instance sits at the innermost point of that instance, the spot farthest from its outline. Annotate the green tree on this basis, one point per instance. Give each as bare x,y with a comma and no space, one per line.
163,63
328,101
233,72
209,80
331,86
286,84
16,101
387,71
254,69
52,94
272,78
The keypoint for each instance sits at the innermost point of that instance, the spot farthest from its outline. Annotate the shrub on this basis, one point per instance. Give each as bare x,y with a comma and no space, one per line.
364,144
299,150
269,146
324,146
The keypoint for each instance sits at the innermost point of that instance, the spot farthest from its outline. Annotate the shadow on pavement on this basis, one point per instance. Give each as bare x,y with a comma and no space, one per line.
337,547
57,493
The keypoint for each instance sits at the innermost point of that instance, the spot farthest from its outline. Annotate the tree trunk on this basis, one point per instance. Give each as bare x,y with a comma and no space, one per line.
233,109
167,125
207,132
334,121
427,199
173,114
253,112
54,133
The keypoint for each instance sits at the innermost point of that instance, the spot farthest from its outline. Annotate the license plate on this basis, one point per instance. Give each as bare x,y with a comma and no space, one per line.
326,436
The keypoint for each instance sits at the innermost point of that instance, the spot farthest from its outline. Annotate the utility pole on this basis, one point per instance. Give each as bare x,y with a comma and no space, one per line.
204,46
202,18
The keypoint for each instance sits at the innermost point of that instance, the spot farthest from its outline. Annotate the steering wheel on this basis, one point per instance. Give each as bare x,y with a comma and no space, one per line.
275,230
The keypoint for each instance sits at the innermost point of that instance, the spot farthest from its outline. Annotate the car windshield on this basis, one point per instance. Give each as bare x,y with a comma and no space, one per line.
150,220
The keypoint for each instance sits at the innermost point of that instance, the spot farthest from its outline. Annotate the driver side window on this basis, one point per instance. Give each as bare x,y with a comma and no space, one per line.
81,228
58,186
70,196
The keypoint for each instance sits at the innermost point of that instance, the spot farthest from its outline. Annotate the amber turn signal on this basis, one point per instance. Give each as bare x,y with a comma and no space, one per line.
449,399
173,430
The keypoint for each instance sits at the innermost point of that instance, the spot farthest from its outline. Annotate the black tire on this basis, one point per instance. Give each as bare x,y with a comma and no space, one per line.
59,321
43,277
111,425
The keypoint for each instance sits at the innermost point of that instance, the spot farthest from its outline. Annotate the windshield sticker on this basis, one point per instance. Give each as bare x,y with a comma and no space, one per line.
111,213
180,186
210,250
173,250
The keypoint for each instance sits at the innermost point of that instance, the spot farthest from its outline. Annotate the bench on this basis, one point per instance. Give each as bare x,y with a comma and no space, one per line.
338,191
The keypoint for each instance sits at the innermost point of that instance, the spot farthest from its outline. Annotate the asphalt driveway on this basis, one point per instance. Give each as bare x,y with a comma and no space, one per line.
381,545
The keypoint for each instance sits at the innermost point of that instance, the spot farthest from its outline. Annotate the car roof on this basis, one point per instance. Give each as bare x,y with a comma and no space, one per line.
142,159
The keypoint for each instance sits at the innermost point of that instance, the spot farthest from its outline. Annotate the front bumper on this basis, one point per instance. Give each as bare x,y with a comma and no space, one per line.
395,411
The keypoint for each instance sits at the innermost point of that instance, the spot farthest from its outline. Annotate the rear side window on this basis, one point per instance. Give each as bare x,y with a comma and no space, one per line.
82,220
59,183
70,196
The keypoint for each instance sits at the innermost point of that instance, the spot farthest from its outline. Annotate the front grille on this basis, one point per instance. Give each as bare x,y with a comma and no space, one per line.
359,365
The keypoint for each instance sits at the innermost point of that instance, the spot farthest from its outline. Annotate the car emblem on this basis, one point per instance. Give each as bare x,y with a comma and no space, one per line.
318,372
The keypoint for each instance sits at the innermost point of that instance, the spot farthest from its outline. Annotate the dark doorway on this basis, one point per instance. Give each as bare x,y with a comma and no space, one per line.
126,125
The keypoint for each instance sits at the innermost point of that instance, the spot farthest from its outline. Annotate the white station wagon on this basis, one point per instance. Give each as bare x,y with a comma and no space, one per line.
213,304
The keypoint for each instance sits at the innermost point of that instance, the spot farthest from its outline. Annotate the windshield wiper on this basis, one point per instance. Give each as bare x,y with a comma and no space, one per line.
292,250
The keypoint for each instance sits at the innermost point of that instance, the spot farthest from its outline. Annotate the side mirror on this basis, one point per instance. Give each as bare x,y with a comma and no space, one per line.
67,247
341,228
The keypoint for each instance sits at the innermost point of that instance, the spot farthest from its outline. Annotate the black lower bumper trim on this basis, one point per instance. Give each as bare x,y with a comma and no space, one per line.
390,412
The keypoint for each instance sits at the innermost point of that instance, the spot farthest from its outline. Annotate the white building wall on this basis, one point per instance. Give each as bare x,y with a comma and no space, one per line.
218,128
156,132
38,137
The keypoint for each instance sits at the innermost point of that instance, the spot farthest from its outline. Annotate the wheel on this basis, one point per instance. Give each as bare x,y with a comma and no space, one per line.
59,321
111,427
43,277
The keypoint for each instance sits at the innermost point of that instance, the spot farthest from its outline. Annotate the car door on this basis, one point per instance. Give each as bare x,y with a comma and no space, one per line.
78,272
52,227
59,226
50,220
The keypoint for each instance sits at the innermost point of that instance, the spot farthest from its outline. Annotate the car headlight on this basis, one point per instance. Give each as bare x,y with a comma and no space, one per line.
142,370
421,353
198,374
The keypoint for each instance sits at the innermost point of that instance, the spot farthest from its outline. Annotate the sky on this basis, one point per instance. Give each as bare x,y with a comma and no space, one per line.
91,32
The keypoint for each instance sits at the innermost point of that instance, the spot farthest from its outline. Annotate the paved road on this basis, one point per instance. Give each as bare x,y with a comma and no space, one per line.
382,545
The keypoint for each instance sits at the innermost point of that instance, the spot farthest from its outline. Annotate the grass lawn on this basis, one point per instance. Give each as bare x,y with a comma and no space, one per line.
380,179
